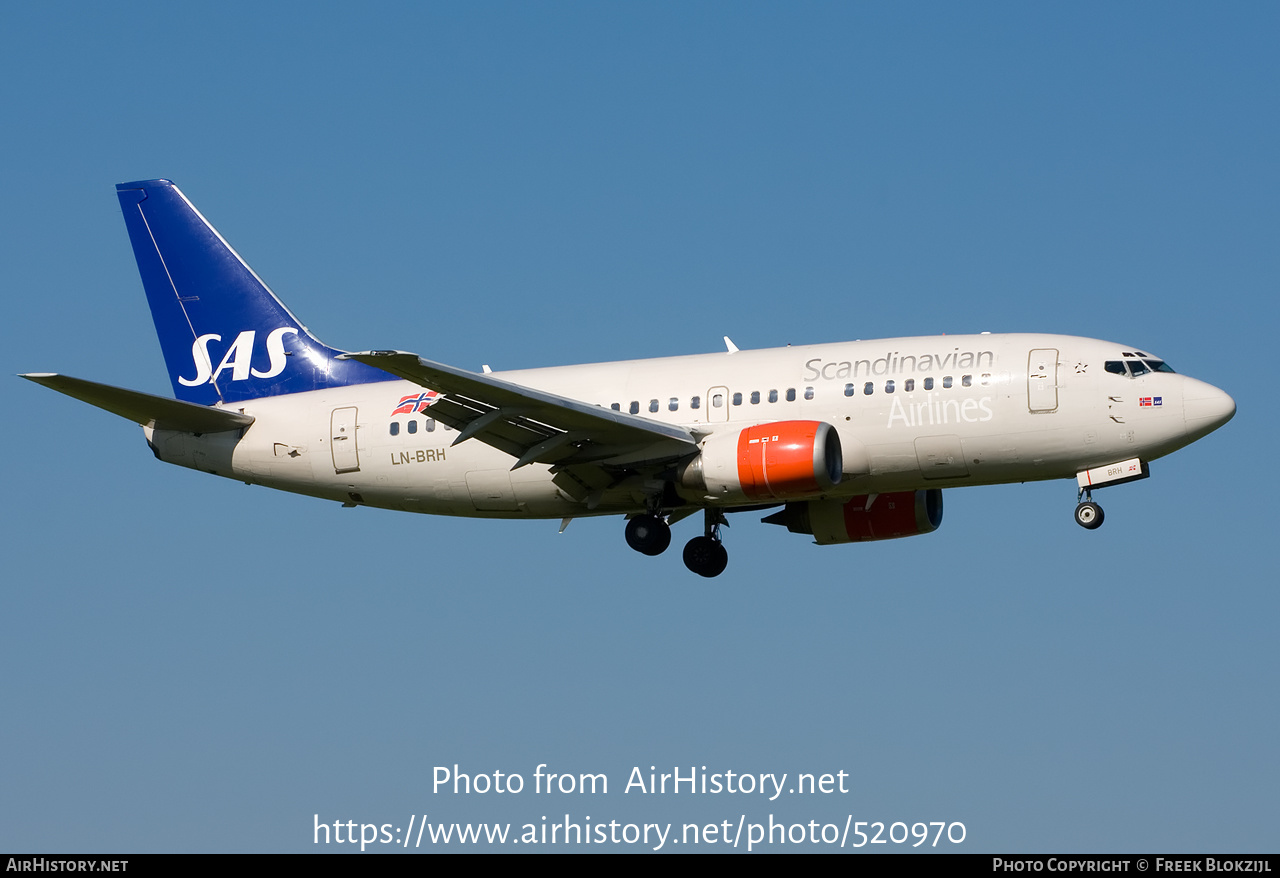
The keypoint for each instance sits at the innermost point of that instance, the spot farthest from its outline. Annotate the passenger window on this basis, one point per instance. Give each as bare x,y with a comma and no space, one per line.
431,425
395,428
673,405
868,388
908,385
986,378
850,390
967,380
808,393
617,407
635,407
653,405
413,426
946,382
717,400
888,387
773,396
791,394
737,399
695,403
928,384
755,397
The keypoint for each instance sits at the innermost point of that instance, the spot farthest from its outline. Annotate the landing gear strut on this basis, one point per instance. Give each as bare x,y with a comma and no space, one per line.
706,555
1088,514
648,534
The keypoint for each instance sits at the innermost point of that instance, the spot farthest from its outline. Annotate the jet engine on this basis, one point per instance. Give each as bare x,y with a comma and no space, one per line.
775,461
864,518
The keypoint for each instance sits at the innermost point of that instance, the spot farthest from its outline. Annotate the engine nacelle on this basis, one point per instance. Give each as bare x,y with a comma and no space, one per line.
865,518
777,461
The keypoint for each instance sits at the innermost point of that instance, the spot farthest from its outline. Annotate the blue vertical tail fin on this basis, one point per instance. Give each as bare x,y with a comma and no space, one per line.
225,336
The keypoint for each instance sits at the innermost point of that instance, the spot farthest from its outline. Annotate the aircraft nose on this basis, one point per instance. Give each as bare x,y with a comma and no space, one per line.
1206,408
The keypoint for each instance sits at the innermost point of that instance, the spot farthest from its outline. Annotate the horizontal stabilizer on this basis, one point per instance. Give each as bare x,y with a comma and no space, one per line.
146,409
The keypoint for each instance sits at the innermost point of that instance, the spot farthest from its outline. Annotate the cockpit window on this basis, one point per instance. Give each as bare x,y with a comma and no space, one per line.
1135,367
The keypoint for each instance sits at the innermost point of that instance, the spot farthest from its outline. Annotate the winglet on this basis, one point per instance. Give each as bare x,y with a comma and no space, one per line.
733,348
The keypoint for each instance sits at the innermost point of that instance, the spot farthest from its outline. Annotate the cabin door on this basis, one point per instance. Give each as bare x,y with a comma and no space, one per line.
342,440
1042,380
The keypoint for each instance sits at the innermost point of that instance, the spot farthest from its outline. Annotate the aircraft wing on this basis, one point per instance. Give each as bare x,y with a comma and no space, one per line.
146,409
534,426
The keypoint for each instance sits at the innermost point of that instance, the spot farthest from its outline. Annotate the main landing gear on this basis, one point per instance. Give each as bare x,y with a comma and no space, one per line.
649,534
706,555
1088,514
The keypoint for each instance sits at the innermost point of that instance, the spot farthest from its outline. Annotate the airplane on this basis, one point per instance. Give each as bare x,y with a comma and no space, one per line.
845,443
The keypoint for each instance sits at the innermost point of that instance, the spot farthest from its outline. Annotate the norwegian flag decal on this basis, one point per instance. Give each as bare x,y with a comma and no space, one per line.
409,405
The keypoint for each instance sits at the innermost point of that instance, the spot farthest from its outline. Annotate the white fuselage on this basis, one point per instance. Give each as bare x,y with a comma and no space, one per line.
911,413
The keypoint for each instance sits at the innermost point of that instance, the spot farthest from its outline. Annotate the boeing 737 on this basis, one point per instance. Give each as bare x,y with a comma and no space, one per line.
843,442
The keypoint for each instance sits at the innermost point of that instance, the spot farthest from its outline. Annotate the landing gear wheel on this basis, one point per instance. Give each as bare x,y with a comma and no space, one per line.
1089,515
648,534
706,556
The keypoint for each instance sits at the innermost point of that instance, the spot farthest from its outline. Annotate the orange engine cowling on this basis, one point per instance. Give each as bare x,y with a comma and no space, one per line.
865,518
776,461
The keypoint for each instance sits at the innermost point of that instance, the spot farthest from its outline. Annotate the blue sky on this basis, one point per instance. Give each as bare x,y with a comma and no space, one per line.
191,664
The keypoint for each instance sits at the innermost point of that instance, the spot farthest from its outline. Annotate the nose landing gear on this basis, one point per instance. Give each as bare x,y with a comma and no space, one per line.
1088,514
